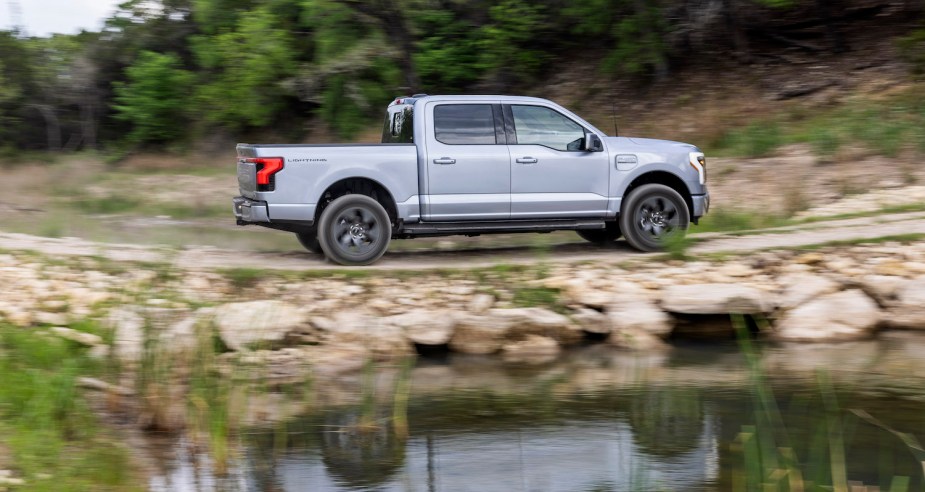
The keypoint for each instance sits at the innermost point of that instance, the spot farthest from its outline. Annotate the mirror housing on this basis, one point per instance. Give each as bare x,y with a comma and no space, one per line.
592,143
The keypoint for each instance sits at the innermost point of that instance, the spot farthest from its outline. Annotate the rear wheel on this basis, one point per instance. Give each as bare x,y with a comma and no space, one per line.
652,214
601,236
309,241
354,230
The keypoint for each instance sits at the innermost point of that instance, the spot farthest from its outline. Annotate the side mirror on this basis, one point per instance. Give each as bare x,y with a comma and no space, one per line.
592,143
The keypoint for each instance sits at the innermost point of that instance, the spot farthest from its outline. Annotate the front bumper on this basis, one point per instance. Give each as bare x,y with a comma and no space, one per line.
247,210
701,204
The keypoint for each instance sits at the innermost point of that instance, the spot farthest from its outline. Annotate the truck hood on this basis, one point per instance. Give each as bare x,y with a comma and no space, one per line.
654,143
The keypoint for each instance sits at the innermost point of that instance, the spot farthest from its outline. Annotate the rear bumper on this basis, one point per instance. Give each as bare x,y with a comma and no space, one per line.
249,211
701,204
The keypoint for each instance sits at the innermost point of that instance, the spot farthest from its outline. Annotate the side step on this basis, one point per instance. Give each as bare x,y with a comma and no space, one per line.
496,227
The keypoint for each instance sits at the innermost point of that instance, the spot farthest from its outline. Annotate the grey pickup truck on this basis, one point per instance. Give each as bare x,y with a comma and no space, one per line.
471,165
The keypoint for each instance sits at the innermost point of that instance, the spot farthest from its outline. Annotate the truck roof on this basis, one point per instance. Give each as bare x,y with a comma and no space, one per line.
451,97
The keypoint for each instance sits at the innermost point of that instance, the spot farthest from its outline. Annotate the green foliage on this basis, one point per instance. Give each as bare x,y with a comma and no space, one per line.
754,140
639,42
243,69
505,44
912,48
448,52
154,98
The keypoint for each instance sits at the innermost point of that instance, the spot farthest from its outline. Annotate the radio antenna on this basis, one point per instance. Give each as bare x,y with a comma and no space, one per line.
613,113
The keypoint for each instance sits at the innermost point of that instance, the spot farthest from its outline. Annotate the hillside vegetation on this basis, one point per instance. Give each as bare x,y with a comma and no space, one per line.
171,74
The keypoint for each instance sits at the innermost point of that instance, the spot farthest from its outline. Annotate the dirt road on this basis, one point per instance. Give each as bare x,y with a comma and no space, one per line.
467,257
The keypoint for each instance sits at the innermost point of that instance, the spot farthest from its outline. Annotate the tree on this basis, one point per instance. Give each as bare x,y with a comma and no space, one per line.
154,98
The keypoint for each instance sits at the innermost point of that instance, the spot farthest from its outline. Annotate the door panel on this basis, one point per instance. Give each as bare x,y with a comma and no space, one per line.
468,171
548,179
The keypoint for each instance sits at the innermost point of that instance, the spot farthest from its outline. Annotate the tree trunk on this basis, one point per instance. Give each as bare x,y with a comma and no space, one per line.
52,126
739,36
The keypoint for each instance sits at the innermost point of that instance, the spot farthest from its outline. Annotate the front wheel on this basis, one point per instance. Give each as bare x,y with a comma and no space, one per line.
651,214
354,230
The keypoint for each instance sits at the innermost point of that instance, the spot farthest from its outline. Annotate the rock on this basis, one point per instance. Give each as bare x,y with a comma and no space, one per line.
809,258
337,358
539,321
356,327
425,327
891,267
532,349
88,339
846,315
481,303
800,288
714,299
592,321
480,334
639,316
47,318
883,288
99,385
909,309
99,352
128,334
243,324
636,339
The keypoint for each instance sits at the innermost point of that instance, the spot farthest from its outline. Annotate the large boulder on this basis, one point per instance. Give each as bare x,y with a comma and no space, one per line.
909,309
847,315
592,321
128,334
425,327
639,315
534,349
380,338
477,334
539,321
802,287
242,325
715,299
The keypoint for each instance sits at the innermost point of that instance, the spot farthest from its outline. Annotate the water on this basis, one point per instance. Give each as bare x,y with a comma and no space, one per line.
592,420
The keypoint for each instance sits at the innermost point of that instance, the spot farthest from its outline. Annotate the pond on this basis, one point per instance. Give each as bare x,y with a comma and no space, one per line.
700,417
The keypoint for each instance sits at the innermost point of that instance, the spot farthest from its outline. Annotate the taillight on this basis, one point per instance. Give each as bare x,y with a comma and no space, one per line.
266,168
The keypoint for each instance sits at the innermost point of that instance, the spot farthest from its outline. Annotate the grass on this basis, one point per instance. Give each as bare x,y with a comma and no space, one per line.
55,441
883,127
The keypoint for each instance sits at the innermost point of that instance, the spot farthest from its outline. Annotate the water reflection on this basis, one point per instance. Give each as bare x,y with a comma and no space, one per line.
595,420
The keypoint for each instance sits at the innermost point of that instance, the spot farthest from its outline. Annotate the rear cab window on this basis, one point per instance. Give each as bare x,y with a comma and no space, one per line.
466,124
399,125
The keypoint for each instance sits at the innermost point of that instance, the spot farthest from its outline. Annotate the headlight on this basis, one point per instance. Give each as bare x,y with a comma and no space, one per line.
699,162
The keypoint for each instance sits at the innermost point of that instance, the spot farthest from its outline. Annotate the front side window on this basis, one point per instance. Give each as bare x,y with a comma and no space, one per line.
539,125
464,124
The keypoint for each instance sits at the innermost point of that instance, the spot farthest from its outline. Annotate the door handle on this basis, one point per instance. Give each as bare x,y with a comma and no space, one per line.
444,160
526,160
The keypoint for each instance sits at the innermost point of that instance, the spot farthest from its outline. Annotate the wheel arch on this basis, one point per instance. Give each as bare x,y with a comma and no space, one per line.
358,185
666,178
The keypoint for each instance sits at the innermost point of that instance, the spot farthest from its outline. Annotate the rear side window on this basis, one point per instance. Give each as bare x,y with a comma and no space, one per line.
399,125
464,124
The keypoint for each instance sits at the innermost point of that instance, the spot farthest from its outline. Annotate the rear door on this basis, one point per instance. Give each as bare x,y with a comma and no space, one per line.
467,161
550,175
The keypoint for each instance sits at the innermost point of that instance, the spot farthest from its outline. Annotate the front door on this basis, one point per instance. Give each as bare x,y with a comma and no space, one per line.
468,165
550,175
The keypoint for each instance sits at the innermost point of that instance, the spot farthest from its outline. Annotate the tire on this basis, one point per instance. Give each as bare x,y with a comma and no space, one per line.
601,236
651,214
354,230
309,241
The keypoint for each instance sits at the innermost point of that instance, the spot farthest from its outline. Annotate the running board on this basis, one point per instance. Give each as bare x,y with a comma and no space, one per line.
497,227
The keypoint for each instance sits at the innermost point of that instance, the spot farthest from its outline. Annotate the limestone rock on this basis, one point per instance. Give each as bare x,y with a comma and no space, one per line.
47,318
909,309
636,339
243,324
532,349
639,315
539,321
846,315
128,334
425,327
884,288
714,299
480,303
356,327
83,338
480,334
800,288
592,321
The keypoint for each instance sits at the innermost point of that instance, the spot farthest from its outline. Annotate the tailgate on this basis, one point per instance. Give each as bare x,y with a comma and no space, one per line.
247,178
